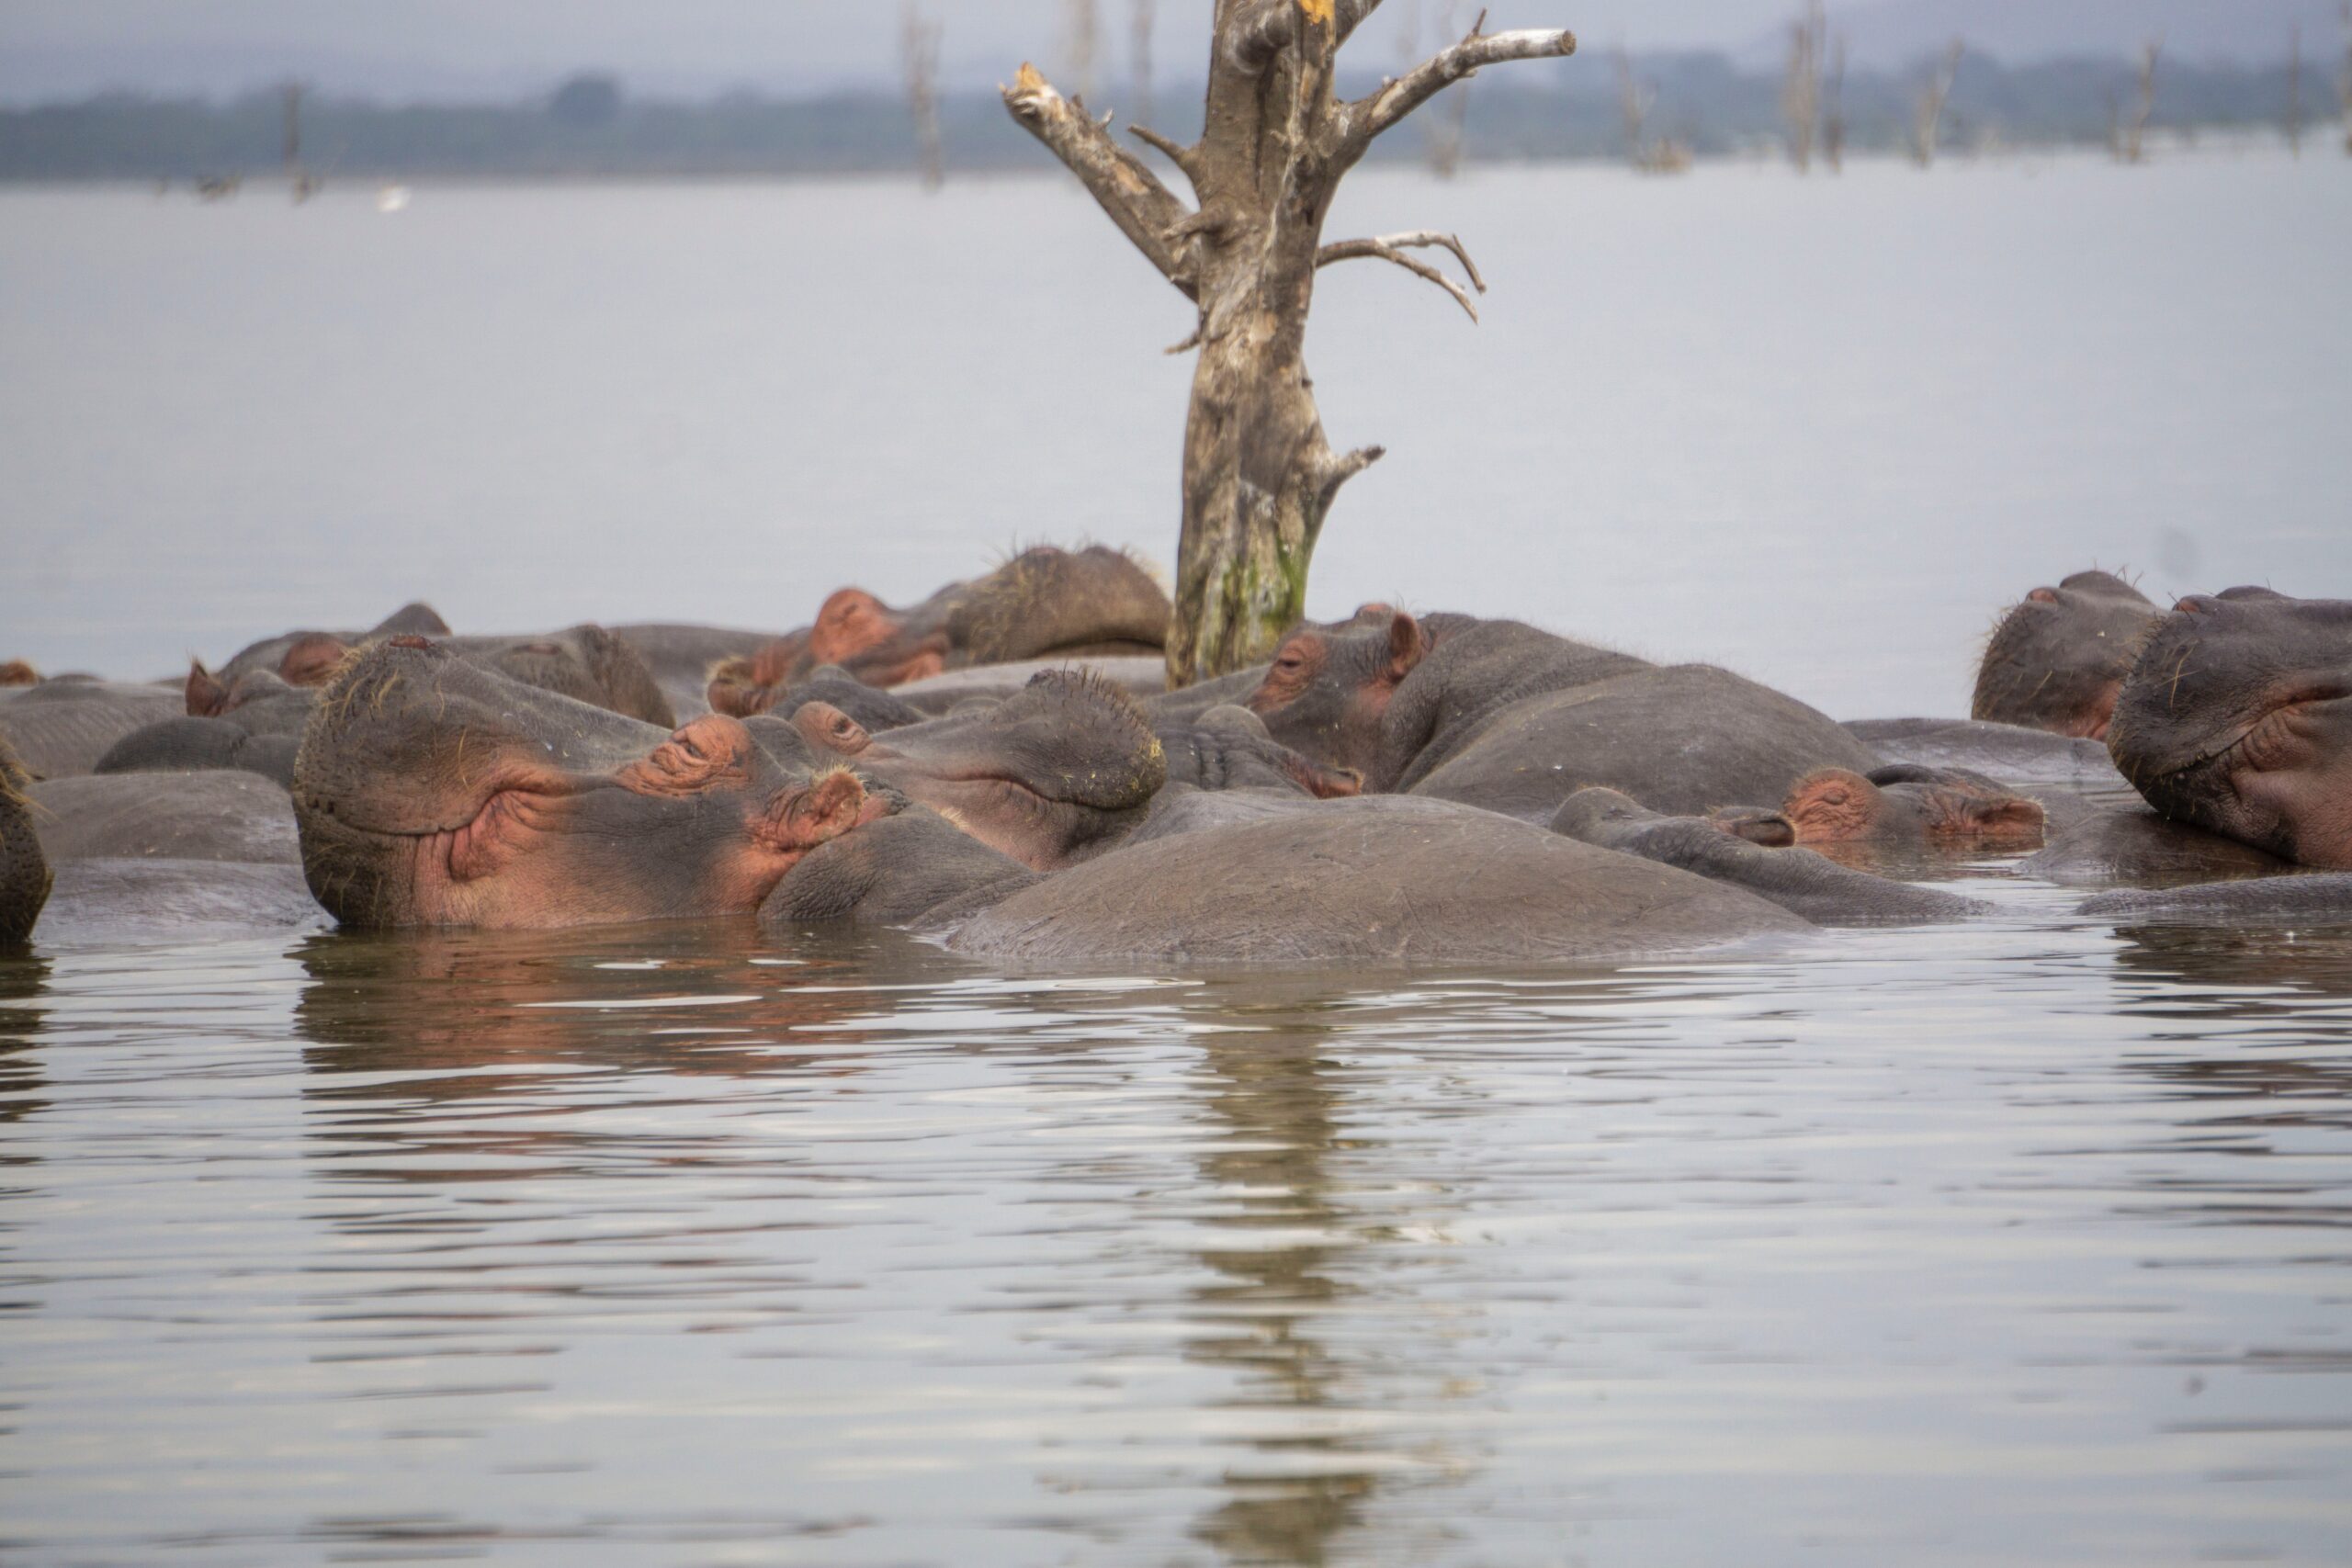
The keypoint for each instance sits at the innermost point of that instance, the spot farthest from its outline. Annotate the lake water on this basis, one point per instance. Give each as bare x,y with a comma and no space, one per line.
2019,1241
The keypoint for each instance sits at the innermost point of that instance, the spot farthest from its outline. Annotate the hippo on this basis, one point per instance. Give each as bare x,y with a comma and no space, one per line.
2058,657
1045,603
2313,898
432,791
682,657
183,745
745,688
2008,753
61,727
2135,847
259,702
208,816
2237,717
16,673
1058,772
1499,714
1797,879
309,658
1227,748
1373,879
585,661
1908,807
110,901
25,878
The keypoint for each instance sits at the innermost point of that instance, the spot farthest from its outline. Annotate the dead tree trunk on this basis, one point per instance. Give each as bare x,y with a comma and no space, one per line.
1928,111
918,47
1259,474
1140,25
2295,91
2344,82
1800,87
2132,145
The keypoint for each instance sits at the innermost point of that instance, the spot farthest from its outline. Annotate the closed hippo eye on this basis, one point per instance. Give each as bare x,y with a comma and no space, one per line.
823,725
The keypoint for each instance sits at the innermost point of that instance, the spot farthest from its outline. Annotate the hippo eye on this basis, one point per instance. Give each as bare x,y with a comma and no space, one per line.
685,740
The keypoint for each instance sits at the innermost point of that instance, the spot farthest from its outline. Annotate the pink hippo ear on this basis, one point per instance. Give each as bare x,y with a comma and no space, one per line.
1997,819
207,697
2044,596
803,817
1407,644
1830,805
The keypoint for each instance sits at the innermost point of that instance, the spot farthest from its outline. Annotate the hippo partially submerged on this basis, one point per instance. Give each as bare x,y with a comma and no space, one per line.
431,791
2237,717
1376,879
2058,658
1498,715
25,877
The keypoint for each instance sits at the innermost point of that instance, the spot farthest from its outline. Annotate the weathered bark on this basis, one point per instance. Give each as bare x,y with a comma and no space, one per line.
1259,475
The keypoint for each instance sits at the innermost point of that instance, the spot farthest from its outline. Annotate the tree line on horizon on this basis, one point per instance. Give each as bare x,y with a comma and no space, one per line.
590,125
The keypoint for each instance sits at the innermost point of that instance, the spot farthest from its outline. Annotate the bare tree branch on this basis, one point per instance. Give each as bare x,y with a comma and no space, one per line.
1147,212
1176,152
1338,470
1392,248
1371,115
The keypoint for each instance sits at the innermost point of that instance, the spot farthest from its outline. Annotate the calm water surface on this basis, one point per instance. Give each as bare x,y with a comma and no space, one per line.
2019,1241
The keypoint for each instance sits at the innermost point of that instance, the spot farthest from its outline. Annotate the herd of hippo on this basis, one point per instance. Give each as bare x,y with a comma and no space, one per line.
1002,766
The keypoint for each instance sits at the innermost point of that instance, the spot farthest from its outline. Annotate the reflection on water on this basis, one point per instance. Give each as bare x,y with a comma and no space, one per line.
2018,1241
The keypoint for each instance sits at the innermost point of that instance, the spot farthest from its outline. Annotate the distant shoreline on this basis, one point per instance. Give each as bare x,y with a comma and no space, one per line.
588,128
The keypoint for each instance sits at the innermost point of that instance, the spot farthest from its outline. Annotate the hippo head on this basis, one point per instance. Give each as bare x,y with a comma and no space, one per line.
431,791
2059,656
585,662
16,673
1908,806
260,702
879,646
1229,746
23,871
1058,770
1047,600
2238,717
1329,686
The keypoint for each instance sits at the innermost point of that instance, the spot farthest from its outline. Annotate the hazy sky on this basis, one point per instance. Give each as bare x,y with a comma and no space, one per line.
53,48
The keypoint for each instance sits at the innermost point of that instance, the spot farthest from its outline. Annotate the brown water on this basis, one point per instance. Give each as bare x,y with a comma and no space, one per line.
2017,1242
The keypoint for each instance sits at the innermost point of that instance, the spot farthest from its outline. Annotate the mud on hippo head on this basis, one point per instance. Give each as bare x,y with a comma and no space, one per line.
2237,716
1329,686
430,791
1058,770
2060,654
1909,805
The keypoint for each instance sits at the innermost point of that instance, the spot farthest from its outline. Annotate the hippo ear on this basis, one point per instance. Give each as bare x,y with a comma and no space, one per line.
1406,646
1755,825
733,690
1831,804
1322,783
2042,596
207,696
803,818
2006,818
312,659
